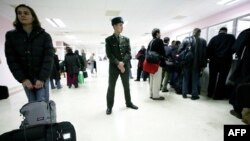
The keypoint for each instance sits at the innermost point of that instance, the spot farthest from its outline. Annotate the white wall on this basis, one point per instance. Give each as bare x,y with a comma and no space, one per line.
6,77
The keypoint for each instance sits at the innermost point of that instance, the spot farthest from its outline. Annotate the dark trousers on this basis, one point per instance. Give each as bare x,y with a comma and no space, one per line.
191,77
218,71
141,73
72,79
114,72
234,101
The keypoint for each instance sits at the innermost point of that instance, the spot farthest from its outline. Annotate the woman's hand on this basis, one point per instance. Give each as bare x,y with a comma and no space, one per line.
27,83
39,84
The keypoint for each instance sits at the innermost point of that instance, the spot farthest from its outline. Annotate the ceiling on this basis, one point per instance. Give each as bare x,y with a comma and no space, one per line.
88,21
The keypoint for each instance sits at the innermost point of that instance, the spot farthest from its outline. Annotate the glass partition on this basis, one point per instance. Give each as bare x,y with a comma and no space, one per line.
204,33
213,30
181,37
242,24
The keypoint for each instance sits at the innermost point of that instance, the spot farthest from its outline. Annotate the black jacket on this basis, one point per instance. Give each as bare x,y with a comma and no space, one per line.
72,63
29,57
55,74
221,47
158,46
243,41
141,57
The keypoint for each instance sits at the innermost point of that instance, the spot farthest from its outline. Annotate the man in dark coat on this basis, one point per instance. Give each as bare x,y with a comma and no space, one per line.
197,62
118,52
242,47
219,52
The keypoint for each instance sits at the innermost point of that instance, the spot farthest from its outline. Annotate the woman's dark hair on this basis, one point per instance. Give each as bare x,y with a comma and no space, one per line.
155,31
17,24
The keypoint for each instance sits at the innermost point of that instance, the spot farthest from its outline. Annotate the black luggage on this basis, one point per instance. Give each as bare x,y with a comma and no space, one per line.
85,74
4,93
63,131
243,95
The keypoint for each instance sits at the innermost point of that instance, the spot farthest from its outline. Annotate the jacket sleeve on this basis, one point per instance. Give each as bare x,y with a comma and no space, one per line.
240,43
127,56
48,59
183,45
12,61
56,61
210,48
109,53
162,49
204,53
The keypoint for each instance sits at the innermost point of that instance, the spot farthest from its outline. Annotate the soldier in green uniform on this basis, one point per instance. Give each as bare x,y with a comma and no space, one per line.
118,52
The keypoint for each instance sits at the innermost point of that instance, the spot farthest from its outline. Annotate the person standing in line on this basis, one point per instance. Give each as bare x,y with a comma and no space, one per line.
119,53
166,74
242,48
219,52
141,57
156,44
29,54
196,64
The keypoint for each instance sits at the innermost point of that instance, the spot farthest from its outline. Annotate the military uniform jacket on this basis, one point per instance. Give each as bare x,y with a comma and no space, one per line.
118,50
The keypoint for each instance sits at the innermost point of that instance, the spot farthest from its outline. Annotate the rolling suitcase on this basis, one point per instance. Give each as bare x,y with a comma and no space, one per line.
4,93
63,131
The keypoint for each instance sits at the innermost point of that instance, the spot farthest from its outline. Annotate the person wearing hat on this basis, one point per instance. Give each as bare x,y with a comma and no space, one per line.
118,52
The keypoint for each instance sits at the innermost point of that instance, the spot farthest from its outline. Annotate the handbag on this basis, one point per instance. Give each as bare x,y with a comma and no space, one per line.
152,56
234,73
80,77
150,67
85,74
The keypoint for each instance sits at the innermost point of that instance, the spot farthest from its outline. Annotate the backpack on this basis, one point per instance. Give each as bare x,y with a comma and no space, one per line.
152,57
40,112
186,56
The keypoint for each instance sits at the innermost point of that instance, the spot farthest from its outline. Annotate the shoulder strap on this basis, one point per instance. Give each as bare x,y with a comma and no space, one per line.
150,46
242,54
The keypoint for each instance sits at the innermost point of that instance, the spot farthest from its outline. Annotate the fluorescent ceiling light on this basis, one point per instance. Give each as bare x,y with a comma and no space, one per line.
51,22
227,2
55,22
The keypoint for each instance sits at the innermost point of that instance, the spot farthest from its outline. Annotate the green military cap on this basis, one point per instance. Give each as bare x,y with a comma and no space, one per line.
116,20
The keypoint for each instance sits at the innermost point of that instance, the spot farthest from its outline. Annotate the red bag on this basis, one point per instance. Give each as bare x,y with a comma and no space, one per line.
150,68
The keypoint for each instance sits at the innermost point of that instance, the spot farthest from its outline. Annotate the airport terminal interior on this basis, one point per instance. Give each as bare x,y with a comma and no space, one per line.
86,25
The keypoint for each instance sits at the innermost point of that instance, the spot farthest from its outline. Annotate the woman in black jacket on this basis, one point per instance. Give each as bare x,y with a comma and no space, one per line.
72,65
28,50
157,45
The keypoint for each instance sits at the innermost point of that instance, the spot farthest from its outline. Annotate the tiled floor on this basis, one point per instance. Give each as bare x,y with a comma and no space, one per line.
175,118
